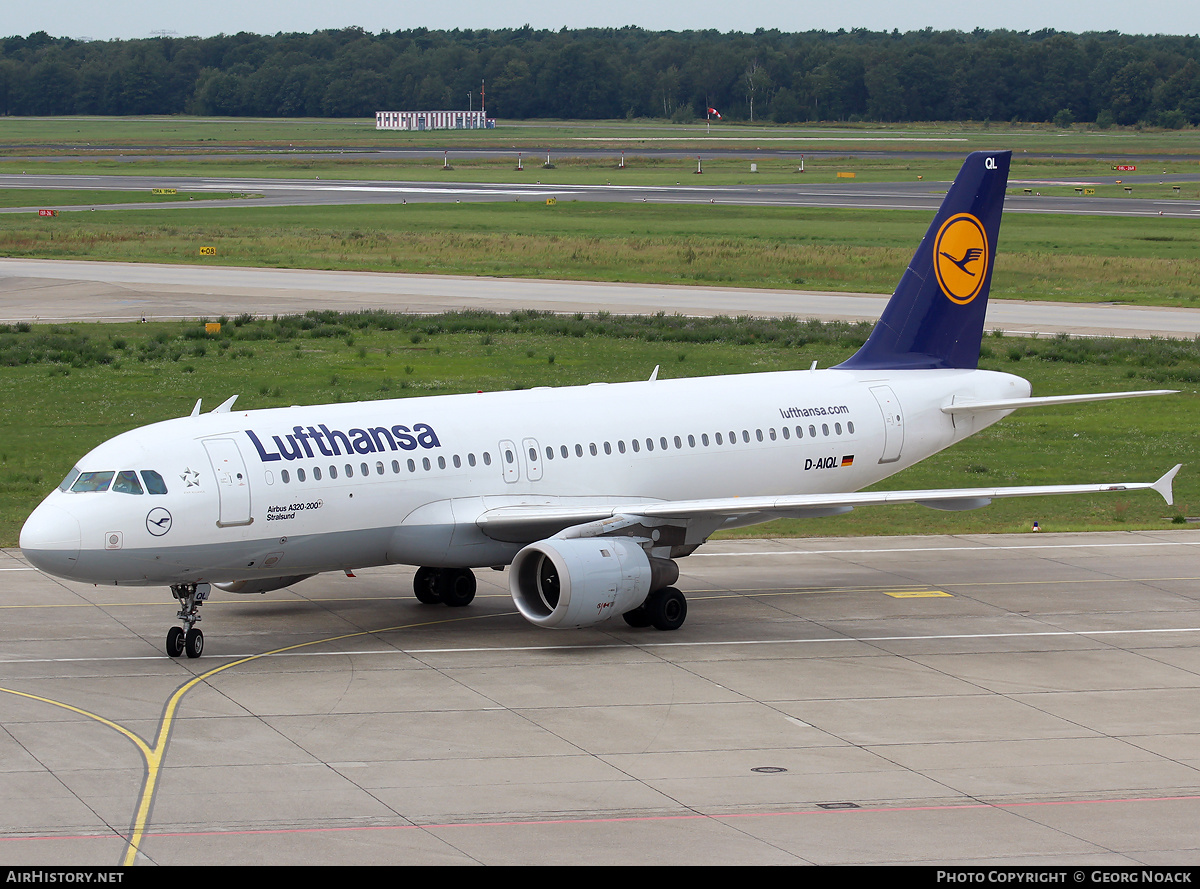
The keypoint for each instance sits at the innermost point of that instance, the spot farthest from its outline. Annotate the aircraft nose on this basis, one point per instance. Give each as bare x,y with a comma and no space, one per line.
50,540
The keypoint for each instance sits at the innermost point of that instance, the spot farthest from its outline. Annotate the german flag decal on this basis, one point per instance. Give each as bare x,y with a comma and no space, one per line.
848,461
960,257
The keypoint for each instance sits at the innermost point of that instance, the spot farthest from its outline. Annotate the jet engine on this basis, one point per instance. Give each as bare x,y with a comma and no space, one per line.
262,585
578,582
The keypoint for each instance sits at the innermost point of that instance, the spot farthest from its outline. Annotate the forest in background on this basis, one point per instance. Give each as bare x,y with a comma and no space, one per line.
1098,78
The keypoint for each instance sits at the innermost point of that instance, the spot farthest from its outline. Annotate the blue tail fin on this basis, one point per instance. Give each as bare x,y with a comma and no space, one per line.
935,317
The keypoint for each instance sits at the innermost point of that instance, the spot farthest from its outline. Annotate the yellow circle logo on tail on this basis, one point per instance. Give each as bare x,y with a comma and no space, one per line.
960,257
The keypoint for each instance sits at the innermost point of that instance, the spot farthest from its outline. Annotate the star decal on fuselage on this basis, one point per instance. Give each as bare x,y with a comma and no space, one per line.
192,477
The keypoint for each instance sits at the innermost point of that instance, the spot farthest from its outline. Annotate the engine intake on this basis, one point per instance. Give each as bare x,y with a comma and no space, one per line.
580,582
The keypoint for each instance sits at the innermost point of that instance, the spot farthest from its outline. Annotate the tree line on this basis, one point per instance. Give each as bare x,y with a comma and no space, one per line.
1106,78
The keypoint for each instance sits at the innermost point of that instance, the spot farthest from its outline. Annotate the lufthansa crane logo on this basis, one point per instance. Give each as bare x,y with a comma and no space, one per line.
158,521
960,257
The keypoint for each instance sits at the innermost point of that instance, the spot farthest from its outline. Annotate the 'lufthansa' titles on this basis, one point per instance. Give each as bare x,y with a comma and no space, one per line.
311,441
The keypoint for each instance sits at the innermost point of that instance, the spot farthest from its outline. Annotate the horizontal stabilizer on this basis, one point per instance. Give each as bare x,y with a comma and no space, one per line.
1011,404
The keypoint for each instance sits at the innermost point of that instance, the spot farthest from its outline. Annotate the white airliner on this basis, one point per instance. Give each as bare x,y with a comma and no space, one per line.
588,493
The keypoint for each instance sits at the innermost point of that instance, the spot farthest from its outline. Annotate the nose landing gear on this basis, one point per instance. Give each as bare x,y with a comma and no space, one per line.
190,641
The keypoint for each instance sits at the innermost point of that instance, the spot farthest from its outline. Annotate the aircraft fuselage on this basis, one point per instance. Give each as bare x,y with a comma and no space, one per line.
301,490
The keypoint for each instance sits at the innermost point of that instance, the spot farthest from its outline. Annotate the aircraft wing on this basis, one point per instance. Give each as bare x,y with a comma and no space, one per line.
535,522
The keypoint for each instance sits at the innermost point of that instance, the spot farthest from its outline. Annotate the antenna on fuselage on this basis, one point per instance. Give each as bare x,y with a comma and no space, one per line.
196,410
654,375
224,406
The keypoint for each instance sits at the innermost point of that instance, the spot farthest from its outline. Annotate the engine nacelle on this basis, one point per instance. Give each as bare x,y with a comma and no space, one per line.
579,582
262,585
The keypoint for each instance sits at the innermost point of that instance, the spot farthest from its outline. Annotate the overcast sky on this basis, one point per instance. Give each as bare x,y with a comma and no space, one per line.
143,18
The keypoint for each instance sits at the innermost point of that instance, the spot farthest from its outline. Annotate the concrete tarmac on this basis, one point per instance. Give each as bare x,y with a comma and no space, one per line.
999,700
54,290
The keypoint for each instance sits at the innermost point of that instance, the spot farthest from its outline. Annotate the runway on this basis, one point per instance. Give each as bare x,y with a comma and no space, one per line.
56,291
1003,700
691,189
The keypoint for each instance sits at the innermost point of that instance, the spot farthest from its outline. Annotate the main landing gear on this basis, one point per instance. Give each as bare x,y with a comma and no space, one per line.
664,609
188,641
448,586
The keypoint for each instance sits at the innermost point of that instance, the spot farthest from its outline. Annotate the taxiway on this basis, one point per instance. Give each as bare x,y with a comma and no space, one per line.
1025,699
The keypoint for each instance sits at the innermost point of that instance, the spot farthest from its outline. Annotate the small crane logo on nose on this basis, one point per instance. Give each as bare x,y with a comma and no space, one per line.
158,521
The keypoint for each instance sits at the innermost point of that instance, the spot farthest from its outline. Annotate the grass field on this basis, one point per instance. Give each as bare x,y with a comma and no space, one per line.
640,170
1153,261
33,136
1139,261
65,389
67,197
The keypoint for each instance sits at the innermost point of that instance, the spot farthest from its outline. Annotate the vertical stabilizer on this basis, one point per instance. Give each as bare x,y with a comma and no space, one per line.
935,317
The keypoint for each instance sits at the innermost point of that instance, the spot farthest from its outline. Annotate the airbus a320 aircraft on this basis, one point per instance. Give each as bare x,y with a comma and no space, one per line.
590,493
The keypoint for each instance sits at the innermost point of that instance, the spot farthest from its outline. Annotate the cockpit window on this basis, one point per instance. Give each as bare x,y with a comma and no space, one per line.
127,482
69,480
92,481
154,482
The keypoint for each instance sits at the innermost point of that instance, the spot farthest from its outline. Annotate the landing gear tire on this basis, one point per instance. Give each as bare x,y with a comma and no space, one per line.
449,586
193,642
667,608
175,641
457,587
425,586
638,618
190,641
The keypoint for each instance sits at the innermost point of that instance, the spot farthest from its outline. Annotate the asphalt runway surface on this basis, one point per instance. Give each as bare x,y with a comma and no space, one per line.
691,190
999,700
54,291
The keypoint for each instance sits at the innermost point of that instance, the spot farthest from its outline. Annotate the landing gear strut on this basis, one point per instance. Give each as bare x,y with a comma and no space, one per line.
190,640
449,586
664,609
